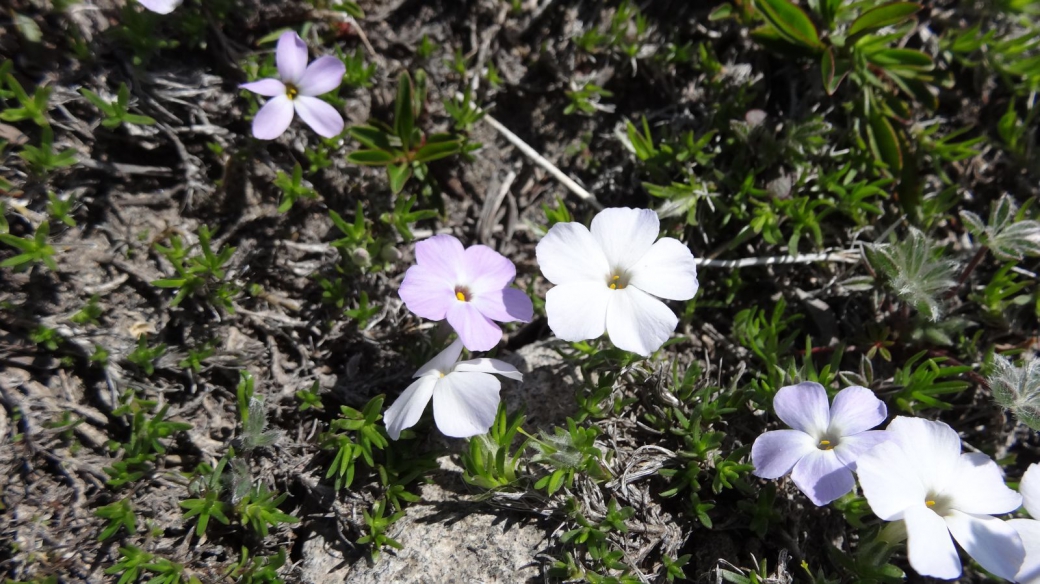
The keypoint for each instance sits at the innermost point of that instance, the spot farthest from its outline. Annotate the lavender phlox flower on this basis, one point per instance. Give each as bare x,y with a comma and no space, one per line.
609,279
821,450
161,6
465,394
920,476
468,286
297,91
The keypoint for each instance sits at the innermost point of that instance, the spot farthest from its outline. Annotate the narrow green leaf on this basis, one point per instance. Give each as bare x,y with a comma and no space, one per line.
834,70
885,143
371,157
882,16
791,21
908,58
371,137
404,117
398,175
437,151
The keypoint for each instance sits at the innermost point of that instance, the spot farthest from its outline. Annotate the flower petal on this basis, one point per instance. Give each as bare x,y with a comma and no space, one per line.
666,271
775,453
504,305
939,445
929,545
320,116
578,310
291,57
804,407
569,253
442,254
638,322
856,409
991,542
442,362
485,270
850,448
477,332
625,235
427,293
978,487
272,119
265,87
322,76
1029,531
490,366
464,404
1030,490
161,6
408,408
822,477
889,481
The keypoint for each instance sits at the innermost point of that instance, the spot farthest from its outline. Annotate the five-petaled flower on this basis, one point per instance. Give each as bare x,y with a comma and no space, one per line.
821,451
469,287
921,477
607,279
161,6
465,394
297,91
1029,529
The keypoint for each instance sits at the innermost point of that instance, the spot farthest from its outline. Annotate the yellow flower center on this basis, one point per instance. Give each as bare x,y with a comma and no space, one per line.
617,280
291,90
825,445
930,503
462,294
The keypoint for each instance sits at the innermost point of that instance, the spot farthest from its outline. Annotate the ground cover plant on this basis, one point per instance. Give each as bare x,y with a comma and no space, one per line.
519,290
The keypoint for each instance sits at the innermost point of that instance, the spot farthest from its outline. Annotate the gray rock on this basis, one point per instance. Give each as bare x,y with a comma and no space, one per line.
447,538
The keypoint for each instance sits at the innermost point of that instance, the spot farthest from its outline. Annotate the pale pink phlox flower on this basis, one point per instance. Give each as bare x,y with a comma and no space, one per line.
465,394
469,287
821,450
297,91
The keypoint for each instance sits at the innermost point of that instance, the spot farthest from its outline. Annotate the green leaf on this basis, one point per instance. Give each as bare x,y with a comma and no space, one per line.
834,70
372,137
371,157
884,142
404,116
98,102
28,28
908,58
791,21
398,175
882,16
437,150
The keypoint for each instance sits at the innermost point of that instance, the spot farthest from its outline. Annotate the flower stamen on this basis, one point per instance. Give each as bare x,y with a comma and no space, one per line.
826,445
616,282
291,91
930,503
462,294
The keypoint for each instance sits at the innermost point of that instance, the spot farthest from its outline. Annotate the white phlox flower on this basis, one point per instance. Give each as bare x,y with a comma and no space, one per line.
609,279
1029,529
465,394
921,477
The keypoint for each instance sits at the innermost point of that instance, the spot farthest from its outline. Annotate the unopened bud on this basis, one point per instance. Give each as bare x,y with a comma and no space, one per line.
389,253
361,258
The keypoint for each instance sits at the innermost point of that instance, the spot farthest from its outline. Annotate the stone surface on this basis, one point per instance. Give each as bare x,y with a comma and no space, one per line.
447,538
547,391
